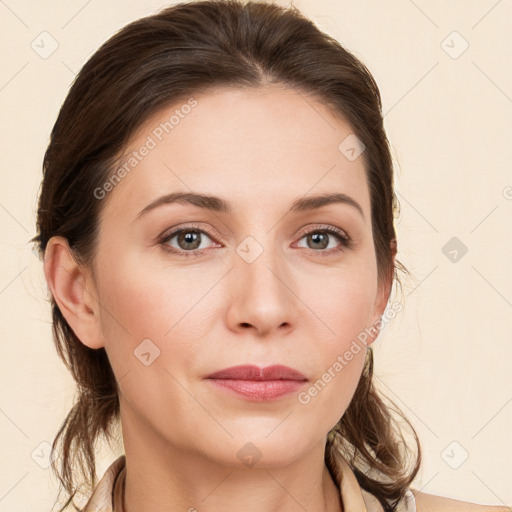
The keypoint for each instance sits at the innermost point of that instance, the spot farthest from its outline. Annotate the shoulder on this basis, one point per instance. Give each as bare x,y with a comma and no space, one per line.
431,503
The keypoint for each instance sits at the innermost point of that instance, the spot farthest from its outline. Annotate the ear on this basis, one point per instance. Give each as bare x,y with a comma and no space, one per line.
381,299
73,291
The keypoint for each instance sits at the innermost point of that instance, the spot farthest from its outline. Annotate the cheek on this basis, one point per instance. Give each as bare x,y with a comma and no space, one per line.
169,307
148,302
346,311
148,320
341,355
344,301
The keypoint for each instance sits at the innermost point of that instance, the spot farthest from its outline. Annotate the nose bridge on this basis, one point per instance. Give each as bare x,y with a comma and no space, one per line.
261,262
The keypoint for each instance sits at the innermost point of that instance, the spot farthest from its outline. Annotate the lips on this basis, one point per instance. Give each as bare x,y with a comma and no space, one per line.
250,382
254,373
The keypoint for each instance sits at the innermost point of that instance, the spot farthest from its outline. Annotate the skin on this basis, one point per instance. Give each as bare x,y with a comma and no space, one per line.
258,149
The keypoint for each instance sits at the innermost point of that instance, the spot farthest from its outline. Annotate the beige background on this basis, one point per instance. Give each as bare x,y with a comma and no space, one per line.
446,360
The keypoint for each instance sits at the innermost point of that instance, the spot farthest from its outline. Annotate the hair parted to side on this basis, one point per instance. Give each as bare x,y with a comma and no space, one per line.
155,62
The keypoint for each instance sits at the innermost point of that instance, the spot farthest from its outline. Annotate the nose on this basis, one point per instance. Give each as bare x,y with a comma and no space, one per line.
263,299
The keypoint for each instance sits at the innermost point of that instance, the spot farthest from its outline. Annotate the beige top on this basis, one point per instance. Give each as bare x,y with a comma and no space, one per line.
353,497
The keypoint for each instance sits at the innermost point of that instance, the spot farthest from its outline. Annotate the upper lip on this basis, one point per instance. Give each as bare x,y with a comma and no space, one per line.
251,372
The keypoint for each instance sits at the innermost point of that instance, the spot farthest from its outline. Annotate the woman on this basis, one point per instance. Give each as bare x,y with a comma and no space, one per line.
216,219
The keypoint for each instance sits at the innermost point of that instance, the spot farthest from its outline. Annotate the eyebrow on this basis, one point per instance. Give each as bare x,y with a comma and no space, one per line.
217,204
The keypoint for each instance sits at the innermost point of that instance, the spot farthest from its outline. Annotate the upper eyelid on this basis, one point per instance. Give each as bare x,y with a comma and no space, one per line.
176,229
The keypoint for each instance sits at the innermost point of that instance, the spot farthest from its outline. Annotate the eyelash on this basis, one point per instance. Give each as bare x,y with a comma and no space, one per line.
345,240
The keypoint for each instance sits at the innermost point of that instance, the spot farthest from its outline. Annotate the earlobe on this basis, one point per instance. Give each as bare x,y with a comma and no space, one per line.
72,291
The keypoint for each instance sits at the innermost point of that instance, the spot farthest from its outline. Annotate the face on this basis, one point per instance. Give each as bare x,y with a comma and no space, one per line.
257,282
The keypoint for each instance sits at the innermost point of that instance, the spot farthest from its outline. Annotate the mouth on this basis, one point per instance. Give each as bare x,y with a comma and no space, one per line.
258,384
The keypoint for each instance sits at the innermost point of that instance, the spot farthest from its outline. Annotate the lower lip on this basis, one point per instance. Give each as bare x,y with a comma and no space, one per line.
259,390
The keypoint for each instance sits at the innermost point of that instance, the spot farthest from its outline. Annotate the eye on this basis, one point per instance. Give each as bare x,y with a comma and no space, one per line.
189,240
318,240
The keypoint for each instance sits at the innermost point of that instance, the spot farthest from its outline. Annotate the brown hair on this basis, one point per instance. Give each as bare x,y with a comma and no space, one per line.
148,65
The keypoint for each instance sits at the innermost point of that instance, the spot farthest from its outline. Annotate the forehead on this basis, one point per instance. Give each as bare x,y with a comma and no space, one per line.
248,145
